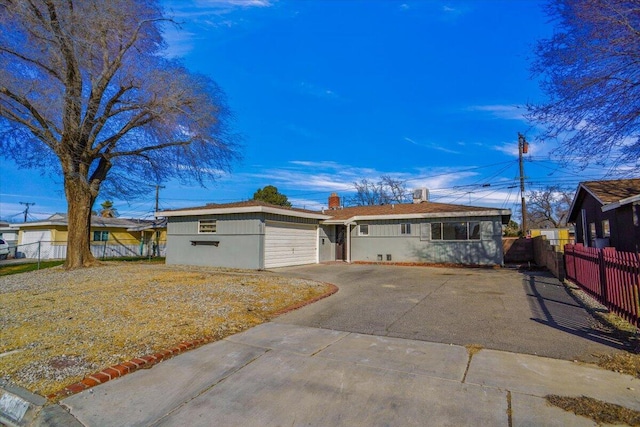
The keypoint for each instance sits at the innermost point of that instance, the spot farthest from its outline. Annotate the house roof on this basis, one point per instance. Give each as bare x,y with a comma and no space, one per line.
344,215
248,206
410,210
96,221
613,190
610,193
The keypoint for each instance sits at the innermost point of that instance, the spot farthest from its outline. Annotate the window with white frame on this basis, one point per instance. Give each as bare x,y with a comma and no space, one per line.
207,226
606,228
363,229
405,228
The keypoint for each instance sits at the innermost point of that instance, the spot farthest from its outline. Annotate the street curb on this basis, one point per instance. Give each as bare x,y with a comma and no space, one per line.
146,362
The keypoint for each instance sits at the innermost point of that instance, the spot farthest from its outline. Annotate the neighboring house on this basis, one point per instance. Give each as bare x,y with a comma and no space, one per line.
607,213
257,235
9,233
110,237
556,236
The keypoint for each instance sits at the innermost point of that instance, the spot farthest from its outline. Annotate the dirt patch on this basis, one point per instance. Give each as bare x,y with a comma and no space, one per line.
597,410
59,326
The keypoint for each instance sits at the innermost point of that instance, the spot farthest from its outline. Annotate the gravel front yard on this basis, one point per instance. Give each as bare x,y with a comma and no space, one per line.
58,326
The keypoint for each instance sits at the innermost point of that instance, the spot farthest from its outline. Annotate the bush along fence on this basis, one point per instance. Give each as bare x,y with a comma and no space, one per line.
612,277
101,250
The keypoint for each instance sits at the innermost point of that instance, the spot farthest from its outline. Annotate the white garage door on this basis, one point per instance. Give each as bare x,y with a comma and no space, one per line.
30,248
289,244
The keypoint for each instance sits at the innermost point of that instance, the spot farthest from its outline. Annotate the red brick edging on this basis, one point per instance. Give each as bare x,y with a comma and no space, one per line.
146,362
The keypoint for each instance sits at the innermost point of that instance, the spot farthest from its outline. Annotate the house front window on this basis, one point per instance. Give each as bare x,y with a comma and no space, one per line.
363,229
100,236
606,230
405,228
592,231
207,226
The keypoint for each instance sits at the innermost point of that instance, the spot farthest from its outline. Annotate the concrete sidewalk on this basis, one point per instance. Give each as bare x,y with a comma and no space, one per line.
280,374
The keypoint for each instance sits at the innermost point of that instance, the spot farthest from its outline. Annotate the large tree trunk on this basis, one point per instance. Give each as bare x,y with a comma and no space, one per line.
80,202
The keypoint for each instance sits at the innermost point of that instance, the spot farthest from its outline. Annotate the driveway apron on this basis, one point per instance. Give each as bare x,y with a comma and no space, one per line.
500,309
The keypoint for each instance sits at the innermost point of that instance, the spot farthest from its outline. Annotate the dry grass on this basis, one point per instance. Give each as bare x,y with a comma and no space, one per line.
59,326
624,363
473,349
597,410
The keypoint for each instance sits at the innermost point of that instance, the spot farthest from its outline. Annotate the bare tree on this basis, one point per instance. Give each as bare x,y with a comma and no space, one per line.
394,190
548,208
589,70
86,93
387,190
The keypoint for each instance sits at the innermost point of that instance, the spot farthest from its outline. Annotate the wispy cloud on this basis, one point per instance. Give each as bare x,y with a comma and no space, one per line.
202,14
507,112
317,91
452,13
234,3
309,183
432,146
302,131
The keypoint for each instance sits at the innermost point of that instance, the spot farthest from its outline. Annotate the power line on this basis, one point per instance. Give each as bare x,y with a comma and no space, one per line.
26,211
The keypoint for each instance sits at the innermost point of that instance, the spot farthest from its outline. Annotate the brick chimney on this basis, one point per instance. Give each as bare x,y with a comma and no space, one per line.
334,201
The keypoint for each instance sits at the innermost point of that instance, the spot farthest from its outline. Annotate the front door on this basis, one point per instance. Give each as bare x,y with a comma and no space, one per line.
340,249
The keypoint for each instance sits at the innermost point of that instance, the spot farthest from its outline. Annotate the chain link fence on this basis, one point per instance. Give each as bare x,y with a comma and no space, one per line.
47,250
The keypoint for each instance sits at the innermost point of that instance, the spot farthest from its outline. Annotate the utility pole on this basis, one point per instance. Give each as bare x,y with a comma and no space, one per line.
158,187
26,211
523,147
157,245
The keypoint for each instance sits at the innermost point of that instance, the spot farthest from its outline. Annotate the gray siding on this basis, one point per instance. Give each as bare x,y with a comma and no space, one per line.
240,237
385,239
327,243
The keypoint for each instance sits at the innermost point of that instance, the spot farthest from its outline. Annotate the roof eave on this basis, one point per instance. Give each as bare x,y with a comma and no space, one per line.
244,209
491,212
621,202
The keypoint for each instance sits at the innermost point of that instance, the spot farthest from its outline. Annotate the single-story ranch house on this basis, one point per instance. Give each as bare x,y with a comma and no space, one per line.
257,235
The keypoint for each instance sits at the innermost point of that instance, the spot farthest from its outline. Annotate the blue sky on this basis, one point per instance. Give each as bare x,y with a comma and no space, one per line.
325,93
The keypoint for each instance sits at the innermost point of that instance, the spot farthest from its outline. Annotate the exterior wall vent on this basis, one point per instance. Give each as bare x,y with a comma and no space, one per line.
421,195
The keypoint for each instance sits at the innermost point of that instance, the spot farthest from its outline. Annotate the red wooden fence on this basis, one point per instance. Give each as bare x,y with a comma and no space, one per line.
612,277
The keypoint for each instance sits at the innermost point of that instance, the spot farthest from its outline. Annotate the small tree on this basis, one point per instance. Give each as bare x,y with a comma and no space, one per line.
589,70
108,211
512,229
86,94
270,194
548,208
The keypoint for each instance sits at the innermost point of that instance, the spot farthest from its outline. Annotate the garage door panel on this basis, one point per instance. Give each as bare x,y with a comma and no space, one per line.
289,244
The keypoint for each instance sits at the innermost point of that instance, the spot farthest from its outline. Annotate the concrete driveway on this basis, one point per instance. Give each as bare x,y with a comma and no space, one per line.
499,309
